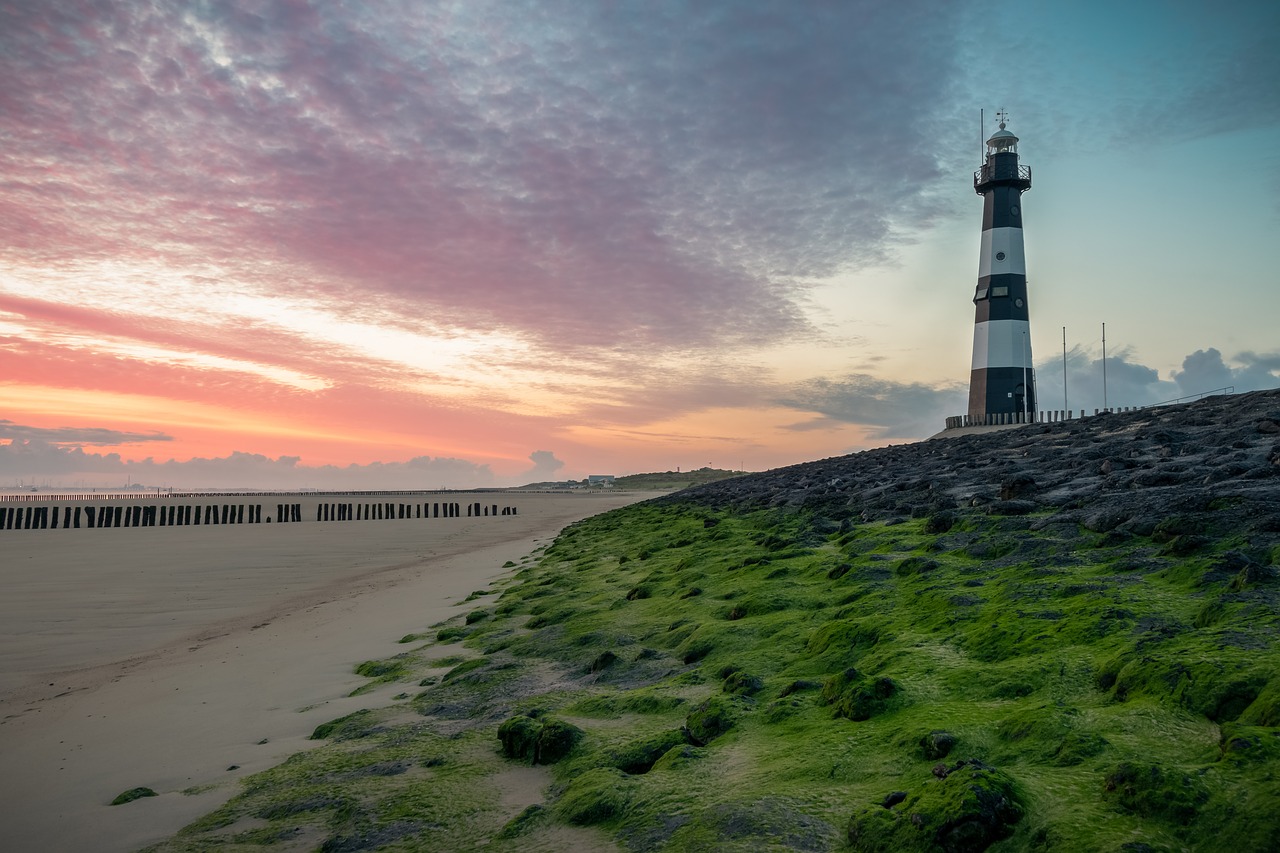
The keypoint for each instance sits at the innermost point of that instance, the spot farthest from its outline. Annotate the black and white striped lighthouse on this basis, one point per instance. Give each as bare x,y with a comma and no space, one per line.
1002,381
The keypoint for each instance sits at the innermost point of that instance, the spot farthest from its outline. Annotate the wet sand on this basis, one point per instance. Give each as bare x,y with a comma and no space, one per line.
164,657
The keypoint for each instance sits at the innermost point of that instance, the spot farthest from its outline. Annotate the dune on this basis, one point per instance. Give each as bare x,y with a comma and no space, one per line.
184,658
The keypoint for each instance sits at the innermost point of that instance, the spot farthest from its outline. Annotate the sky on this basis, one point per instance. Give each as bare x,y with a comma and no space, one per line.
487,242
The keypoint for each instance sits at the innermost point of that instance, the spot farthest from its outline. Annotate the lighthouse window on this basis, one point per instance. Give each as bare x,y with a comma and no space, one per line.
999,291
982,294
999,256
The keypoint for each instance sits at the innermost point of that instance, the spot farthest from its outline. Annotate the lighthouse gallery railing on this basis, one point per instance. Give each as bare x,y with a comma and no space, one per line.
1001,172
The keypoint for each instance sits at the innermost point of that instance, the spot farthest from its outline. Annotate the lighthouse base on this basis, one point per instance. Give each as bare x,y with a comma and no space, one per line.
1001,391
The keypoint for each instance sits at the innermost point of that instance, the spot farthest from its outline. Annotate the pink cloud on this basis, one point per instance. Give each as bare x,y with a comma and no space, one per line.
472,174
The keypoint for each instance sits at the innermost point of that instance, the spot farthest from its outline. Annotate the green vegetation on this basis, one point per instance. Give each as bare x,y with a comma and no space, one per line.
354,725
538,741
666,480
133,794
966,807
694,678
661,481
673,479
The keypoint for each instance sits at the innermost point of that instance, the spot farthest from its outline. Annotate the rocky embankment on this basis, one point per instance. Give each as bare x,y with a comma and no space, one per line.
1121,474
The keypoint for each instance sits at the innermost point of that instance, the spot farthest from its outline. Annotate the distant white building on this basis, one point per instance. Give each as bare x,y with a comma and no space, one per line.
603,480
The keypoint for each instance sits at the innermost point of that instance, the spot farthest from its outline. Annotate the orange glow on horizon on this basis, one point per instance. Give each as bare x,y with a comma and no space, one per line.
766,438
200,430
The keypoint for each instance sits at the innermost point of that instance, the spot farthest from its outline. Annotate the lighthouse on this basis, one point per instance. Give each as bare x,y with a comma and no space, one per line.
1002,381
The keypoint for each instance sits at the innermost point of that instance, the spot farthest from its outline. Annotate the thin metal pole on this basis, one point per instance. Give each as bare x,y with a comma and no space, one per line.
1065,407
1026,385
1035,391
1104,367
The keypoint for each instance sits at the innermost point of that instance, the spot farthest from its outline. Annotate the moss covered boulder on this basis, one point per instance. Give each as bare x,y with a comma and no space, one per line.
133,794
593,797
858,697
544,741
639,756
709,720
352,726
518,736
743,684
937,744
1154,792
964,809
556,739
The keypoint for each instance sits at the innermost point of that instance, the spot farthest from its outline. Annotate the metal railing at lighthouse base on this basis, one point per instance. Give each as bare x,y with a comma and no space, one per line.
1053,416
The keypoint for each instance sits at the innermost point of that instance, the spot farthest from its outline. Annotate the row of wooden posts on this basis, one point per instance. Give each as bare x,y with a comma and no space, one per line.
139,515
89,497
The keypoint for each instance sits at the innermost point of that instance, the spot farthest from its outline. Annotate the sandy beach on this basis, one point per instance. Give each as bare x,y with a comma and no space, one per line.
184,658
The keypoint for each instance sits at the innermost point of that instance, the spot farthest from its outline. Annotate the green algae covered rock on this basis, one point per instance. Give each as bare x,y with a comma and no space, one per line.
543,741
133,794
678,757
964,809
350,727
532,817
519,735
709,720
639,756
743,684
858,697
556,739
1154,792
1247,744
1265,709
593,797
937,744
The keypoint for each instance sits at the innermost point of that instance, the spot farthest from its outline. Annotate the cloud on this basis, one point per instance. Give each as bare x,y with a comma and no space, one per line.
1269,362
579,175
34,458
1204,371
917,410
1130,383
238,470
893,409
78,436
545,466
